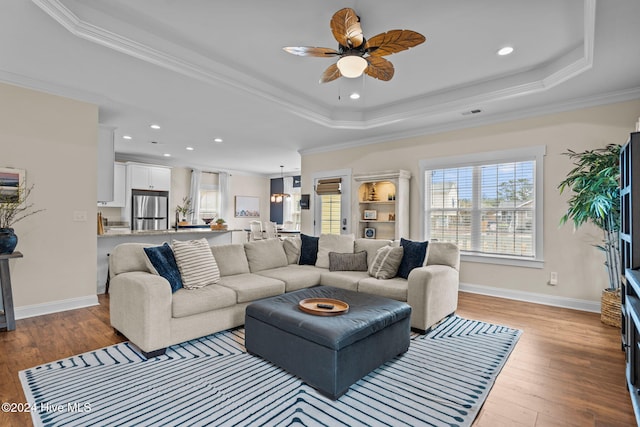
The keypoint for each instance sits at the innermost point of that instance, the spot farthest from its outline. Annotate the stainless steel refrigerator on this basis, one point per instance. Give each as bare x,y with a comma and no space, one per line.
149,210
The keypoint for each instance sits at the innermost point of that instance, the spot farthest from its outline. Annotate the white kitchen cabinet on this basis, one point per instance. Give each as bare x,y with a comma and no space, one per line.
119,187
143,177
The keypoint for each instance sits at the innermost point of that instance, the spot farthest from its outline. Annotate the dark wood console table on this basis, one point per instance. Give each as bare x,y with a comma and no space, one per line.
7,318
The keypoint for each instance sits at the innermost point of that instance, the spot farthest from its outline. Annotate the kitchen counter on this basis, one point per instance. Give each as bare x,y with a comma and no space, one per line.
117,235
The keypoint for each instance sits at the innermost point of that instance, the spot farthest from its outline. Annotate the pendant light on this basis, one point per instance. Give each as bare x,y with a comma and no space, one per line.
279,197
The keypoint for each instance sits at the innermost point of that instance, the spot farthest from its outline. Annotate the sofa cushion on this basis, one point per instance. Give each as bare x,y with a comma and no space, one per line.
212,297
413,257
196,263
343,279
127,257
231,259
348,262
371,246
250,287
308,250
342,243
386,262
294,278
163,263
395,288
265,254
292,246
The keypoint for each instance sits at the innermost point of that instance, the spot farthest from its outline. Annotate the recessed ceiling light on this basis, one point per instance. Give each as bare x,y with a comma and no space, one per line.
190,148
505,51
354,95
218,140
154,126
126,137
167,155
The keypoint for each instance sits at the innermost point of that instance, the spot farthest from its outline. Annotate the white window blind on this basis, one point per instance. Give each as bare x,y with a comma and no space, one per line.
486,207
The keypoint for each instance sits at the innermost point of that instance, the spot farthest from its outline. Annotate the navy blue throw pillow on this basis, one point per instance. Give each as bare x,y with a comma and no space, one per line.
413,256
308,250
164,262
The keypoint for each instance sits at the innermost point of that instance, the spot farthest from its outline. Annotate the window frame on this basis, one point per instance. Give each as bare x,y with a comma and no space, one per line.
535,153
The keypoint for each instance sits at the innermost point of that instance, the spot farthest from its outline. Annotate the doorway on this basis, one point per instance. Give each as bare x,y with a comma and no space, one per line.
332,208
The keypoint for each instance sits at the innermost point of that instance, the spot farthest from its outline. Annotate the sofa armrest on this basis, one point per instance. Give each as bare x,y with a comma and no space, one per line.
432,294
140,308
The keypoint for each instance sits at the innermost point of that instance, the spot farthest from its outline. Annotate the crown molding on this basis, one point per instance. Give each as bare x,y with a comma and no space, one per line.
453,100
576,104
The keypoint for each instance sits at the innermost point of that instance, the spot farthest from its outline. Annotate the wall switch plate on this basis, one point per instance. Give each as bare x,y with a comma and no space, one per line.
80,216
553,278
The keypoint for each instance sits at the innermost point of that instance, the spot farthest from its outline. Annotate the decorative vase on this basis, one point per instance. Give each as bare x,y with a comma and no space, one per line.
610,312
8,241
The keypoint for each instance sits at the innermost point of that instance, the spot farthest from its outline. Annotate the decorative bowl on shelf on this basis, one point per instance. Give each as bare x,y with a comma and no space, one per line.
207,220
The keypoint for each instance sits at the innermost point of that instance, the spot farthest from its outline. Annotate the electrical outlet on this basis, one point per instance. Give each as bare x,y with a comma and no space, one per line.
553,278
80,216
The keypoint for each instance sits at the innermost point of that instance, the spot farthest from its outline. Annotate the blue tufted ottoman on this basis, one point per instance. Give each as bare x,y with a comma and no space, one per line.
328,353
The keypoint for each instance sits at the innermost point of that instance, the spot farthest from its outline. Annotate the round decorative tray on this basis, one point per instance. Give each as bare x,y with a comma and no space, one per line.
327,306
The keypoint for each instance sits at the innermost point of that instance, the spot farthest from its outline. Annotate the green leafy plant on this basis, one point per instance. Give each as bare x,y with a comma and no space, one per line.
220,221
184,210
14,206
595,183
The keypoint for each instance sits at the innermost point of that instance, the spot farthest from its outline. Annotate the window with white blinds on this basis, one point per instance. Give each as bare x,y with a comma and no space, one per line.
487,207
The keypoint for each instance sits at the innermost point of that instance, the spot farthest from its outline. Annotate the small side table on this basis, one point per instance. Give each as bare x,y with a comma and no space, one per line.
7,318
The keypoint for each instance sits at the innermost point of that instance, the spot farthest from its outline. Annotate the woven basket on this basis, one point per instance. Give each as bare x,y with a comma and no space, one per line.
610,307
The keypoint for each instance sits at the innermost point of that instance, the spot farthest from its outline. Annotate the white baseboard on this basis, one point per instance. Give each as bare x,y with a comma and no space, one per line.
556,301
55,306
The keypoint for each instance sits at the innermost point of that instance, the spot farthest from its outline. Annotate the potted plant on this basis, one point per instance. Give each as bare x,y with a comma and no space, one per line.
596,198
219,224
13,208
183,211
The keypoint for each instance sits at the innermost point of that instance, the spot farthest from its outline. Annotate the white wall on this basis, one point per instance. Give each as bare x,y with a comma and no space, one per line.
55,140
247,185
580,266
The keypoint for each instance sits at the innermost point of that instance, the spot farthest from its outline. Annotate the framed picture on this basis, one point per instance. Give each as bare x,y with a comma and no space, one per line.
370,233
10,182
247,207
304,201
370,214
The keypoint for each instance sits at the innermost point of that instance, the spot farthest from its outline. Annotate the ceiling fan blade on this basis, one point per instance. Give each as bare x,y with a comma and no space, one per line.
330,74
379,68
393,41
322,52
345,26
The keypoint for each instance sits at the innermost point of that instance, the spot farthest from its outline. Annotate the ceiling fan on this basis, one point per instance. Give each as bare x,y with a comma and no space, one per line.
357,54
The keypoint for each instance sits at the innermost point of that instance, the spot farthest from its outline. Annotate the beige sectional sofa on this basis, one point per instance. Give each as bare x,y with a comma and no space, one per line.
144,309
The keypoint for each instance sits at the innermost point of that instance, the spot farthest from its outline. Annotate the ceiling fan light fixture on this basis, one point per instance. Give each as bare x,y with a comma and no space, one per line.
352,66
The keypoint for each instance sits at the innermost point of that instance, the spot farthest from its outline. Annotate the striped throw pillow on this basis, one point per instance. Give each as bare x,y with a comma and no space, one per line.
196,263
386,262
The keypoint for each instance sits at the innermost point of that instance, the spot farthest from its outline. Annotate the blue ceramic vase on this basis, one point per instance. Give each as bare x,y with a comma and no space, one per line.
8,241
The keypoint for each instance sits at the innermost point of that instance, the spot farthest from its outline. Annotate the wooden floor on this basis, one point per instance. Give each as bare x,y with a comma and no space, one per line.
566,370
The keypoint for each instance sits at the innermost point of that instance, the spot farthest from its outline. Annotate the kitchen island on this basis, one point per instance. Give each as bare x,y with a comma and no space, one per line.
112,238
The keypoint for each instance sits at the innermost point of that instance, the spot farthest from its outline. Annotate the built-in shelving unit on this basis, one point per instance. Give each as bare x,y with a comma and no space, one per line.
382,204
630,261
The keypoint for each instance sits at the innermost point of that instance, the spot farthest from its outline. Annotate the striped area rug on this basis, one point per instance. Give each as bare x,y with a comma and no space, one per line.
441,381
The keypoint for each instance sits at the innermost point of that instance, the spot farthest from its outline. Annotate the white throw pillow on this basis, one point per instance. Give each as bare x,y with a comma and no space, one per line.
196,263
341,243
386,262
